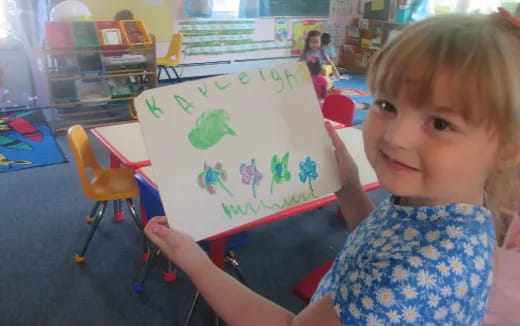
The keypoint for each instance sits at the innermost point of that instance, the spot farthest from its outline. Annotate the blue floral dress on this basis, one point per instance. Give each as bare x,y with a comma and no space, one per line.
414,266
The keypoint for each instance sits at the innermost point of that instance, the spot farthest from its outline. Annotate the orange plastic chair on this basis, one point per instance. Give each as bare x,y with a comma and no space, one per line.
339,108
106,184
172,57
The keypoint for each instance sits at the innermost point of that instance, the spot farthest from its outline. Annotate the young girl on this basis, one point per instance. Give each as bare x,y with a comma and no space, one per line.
329,48
443,137
313,49
318,80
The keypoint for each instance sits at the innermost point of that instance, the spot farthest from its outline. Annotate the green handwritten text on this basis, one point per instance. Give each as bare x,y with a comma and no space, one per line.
154,108
186,105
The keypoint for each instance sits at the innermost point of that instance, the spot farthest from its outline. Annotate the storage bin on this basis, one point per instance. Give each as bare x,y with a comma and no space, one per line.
111,38
84,35
135,33
93,91
58,35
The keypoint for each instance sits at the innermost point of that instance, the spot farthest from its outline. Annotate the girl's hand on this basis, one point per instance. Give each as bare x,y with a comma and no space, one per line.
347,168
178,246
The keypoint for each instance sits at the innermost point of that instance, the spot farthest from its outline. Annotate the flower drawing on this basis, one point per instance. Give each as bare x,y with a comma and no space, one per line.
280,169
211,177
308,171
251,175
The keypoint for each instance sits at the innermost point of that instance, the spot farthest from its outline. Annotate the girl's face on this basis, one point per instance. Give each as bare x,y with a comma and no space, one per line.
429,155
314,42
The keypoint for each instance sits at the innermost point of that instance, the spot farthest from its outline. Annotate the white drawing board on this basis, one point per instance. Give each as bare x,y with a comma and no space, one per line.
231,149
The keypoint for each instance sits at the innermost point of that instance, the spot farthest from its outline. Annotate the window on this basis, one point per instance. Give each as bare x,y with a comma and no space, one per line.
226,8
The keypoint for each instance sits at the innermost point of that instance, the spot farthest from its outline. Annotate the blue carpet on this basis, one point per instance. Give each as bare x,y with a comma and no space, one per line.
19,151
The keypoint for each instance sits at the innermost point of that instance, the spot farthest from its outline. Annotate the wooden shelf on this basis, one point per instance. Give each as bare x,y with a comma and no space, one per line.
69,104
104,76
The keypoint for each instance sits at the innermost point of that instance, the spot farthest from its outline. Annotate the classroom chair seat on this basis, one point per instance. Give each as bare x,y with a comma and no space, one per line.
172,58
106,184
307,286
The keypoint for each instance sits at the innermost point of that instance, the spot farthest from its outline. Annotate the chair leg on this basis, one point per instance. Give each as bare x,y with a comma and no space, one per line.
119,215
192,308
170,79
79,258
177,75
93,212
138,286
135,217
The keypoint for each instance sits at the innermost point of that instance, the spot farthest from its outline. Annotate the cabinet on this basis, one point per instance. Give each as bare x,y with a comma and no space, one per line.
94,85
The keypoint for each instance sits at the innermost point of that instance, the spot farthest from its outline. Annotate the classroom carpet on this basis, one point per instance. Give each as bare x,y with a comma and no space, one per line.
43,225
26,141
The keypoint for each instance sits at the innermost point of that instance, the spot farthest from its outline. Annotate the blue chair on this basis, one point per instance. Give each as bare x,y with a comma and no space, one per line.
152,204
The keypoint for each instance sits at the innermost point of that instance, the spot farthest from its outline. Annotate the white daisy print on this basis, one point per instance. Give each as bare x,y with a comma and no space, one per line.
446,291
455,307
475,280
443,214
454,232
409,292
484,239
464,209
393,316
415,261
354,311
460,316
473,239
373,321
338,309
447,244
433,300
387,233
421,216
440,313
430,252
425,279
376,275
353,276
356,289
433,236
387,247
343,290
443,269
479,263
468,249
383,264
368,279
410,314
410,233
378,243
481,218
385,297
461,290
400,274
456,265
367,303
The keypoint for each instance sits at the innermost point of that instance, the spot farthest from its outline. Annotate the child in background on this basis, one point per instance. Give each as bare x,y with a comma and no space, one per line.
329,49
313,49
319,81
124,14
443,136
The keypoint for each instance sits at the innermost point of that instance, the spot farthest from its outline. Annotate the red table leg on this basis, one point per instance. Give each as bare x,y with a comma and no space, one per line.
217,250
119,215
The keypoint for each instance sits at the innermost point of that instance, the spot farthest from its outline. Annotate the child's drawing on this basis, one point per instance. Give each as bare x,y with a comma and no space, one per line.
280,170
308,171
210,177
251,175
210,128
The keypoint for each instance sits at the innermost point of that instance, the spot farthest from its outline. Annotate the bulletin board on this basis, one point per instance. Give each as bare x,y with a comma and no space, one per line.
157,15
300,30
229,150
210,37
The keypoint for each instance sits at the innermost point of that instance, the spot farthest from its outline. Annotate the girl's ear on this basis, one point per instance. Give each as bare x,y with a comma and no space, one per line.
509,157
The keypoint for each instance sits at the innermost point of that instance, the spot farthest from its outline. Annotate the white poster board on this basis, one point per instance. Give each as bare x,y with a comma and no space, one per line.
229,150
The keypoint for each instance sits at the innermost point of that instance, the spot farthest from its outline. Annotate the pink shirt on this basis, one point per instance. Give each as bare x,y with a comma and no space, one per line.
320,84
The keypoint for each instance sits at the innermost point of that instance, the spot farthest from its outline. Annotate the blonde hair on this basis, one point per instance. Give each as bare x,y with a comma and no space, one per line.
482,56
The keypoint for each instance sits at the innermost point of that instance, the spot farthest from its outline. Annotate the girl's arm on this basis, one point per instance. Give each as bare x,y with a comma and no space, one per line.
234,302
352,199
334,69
